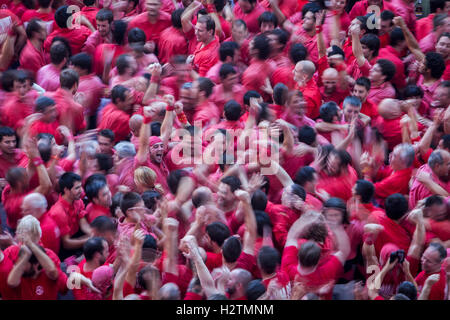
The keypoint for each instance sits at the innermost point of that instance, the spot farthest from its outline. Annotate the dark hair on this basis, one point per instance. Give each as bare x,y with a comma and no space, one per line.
233,182
231,249
267,17
116,200
210,24
58,52
118,31
218,232
104,15
62,16
396,206
155,128
259,200
45,149
217,296
328,110
387,68
227,49
107,133
42,103
437,4
363,82
262,44
150,197
446,139
268,259
103,224
262,220
440,249
439,20
44,3
339,204
372,42
6,132
33,26
225,70
232,110
400,296
7,79
335,50
129,200
434,199
92,246
250,94
105,162
122,63
205,85
298,52
365,189
408,289
68,78
83,61
309,254
304,175
67,181
176,18
219,4
298,191
118,93
435,62
282,36
174,178
307,134
412,91
396,37
255,289
313,7
280,92
387,15
14,175
149,242
65,42
136,35
93,186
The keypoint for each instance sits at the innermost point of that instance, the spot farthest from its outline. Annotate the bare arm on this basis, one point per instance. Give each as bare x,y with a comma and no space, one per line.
411,42
69,243
16,273
133,266
171,246
44,260
250,222
186,17
356,46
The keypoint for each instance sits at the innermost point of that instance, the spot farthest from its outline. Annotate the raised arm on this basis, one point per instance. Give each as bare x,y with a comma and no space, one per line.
144,134
44,260
250,222
133,266
411,42
321,47
429,283
356,45
188,14
171,246
45,184
16,273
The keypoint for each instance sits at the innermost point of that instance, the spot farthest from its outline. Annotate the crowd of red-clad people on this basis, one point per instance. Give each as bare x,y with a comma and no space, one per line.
215,150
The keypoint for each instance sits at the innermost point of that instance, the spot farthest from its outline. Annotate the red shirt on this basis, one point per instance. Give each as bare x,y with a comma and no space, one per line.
15,111
77,37
251,18
90,13
45,127
206,113
219,97
285,218
93,90
41,288
438,289
12,204
390,129
6,293
360,8
395,182
19,158
67,216
338,186
152,31
393,55
94,210
369,109
32,58
71,113
117,120
172,42
424,26
393,233
50,233
311,94
31,14
205,56
255,76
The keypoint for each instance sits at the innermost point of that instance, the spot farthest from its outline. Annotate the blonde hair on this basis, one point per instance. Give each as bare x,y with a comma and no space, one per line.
147,178
29,225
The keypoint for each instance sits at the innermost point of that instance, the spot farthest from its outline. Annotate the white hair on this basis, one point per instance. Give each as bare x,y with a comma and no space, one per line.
36,200
90,147
125,149
29,225
407,153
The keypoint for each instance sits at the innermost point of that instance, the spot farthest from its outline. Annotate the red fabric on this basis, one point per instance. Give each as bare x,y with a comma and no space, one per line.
251,18
51,236
93,90
76,37
7,293
438,289
31,14
94,210
441,229
12,204
338,186
172,43
213,260
15,110
248,262
311,94
90,13
285,217
255,76
31,58
397,182
67,215
393,55
206,113
206,56
390,129
5,164
44,127
117,120
369,109
424,26
360,8
392,233
152,31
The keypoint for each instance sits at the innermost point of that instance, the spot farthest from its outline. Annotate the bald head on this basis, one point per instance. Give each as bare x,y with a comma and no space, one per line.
170,291
389,109
330,73
201,196
242,276
136,123
307,67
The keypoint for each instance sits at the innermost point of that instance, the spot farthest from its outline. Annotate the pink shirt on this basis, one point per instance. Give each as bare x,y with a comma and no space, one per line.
328,25
407,12
213,73
377,94
428,43
93,41
48,77
31,58
251,18
419,191
92,89
428,92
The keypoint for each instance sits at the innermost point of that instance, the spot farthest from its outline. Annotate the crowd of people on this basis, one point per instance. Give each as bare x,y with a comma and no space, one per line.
224,150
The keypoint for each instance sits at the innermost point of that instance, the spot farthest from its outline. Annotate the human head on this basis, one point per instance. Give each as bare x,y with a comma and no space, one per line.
441,23
267,21
47,107
309,11
397,39
144,178
303,71
292,192
104,227
364,190
239,279
247,5
69,80
174,179
268,259
309,255
443,45
105,139
97,190
126,65
58,54
129,201
335,211
104,18
441,96
64,17
337,161
433,65
432,258
34,204
8,140
307,178
121,96
232,110
170,291
81,63
17,178
229,52
436,208
280,93
217,233
205,29
439,162
30,226
125,149
408,289
36,30
239,30
383,71
296,103
202,88
231,249
70,186
351,107
298,52
228,76
330,79
329,112
152,7
402,156
386,22
96,250
370,44
396,206
260,47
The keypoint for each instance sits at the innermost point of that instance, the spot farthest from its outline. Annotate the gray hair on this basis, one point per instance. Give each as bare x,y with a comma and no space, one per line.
352,100
36,200
407,153
170,291
90,147
308,67
243,276
125,149
435,159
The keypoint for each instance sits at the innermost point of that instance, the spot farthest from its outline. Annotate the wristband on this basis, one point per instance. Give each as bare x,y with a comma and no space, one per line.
170,108
182,118
37,162
154,79
319,29
211,8
147,120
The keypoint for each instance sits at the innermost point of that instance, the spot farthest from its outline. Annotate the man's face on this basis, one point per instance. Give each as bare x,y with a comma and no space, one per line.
76,191
298,73
366,51
375,74
441,97
157,152
246,6
181,71
105,144
50,114
386,26
339,5
309,21
333,215
360,92
430,261
109,236
42,34
266,27
333,165
8,144
238,32
350,112
297,105
104,197
127,103
231,80
354,21
231,285
187,99
224,195
27,208
442,170
329,83
103,27
201,33
21,88
437,212
443,47
152,7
